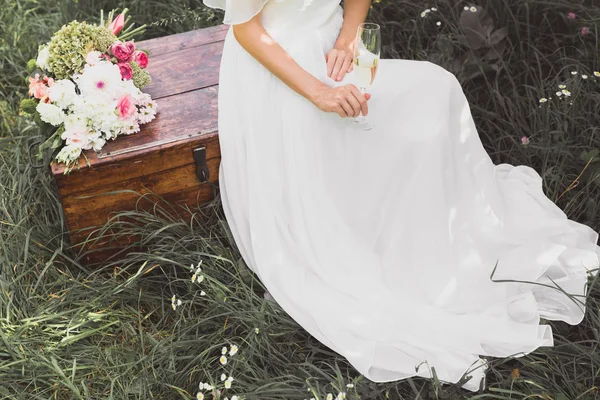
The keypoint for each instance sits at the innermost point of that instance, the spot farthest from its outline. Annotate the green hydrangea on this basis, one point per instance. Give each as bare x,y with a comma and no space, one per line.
71,44
28,106
104,38
31,65
140,77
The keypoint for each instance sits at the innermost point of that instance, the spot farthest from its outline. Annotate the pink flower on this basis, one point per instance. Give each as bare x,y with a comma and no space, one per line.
585,31
38,88
117,24
126,71
141,58
571,15
126,106
525,140
122,51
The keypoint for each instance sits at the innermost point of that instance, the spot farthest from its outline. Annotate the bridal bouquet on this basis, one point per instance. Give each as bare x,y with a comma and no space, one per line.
86,87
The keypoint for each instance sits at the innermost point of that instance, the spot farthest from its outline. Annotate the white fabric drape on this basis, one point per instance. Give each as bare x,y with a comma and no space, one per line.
237,11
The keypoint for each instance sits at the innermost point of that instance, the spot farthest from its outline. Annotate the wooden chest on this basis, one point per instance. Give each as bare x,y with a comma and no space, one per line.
175,156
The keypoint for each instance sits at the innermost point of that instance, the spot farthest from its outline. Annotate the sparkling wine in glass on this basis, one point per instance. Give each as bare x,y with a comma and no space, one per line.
367,49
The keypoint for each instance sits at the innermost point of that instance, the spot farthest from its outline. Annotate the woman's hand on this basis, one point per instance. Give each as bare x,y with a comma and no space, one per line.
339,61
346,101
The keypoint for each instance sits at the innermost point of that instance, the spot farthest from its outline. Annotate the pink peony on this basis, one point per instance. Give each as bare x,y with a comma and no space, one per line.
141,58
122,51
126,71
117,24
571,15
585,31
126,106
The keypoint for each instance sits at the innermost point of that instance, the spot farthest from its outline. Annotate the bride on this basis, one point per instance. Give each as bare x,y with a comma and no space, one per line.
402,248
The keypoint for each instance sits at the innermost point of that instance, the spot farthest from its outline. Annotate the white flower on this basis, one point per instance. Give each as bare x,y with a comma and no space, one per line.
350,385
433,9
230,379
543,100
77,132
50,113
573,72
559,94
439,23
62,93
199,396
566,92
341,396
175,302
101,81
596,74
584,76
224,350
223,377
227,384
200,278
93,57
42,58
68,153
234,398
466,8
256,330
329,396
423,14
223,360
473,9
202,293
562,87
233,350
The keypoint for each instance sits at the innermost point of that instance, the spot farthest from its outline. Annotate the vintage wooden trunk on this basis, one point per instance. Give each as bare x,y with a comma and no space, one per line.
175,156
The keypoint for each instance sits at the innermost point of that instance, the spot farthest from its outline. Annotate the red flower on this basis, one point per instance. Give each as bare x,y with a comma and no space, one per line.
122,51
117,24
126,71
141,58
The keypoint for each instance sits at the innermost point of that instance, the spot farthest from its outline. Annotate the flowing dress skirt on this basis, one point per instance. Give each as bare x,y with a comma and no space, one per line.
382,243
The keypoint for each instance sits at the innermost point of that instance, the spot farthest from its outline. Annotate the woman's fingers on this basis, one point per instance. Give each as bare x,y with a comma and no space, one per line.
345,67
331,59
356,106
338,69
362,99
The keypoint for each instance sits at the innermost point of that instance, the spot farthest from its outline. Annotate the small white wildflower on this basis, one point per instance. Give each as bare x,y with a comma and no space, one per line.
584,76
573,72
256,330
341,396
350,385
543,100
597,74
439,23
223,377
329,396
199,396
566,92
227,384
223,360
175,302
433,9
423,14
466,8
473,9
230,379
559,94
202,293
194,277
233,350
234,398
562,87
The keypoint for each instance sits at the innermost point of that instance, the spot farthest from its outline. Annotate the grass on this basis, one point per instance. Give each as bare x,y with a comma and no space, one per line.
71,332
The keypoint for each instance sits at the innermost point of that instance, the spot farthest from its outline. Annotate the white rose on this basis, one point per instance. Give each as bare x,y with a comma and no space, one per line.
93,57
42,58
50,113
68,153
62,93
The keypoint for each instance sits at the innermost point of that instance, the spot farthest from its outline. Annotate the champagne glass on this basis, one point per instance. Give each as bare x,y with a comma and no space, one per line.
367,49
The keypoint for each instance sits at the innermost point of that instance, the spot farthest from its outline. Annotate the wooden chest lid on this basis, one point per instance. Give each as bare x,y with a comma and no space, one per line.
185,73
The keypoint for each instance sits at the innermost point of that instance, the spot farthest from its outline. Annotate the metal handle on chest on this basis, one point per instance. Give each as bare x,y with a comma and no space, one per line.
201,167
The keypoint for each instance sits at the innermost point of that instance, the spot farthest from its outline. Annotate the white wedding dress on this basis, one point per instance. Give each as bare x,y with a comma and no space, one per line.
381,243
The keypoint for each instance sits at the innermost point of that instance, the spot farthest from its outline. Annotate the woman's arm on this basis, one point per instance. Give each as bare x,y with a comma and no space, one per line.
347,100
339,59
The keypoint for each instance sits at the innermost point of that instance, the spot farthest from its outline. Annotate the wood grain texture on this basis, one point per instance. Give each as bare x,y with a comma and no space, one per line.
158,160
